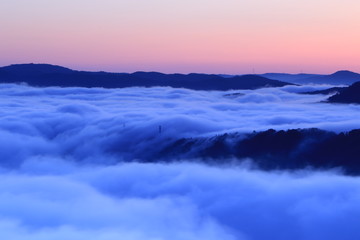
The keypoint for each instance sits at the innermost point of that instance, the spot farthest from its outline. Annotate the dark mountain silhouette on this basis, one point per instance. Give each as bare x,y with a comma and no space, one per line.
350,94
342,77
34,69
272,150
337,78
44,75
293,78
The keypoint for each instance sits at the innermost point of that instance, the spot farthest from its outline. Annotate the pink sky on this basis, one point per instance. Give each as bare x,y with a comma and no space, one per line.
227,36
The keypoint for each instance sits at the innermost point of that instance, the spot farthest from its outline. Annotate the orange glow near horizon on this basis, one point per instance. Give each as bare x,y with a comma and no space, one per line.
184,36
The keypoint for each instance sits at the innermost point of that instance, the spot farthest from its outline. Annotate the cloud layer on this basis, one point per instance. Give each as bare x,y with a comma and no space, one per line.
178,201
123,124
65,170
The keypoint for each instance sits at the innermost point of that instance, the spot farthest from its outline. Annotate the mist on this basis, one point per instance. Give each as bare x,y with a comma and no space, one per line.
122,124
71,166
61,200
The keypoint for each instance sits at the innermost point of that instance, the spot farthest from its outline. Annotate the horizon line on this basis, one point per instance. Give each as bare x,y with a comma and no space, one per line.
182,73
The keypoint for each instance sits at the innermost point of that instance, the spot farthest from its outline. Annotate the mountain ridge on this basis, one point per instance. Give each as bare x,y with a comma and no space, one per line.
45,75
342,77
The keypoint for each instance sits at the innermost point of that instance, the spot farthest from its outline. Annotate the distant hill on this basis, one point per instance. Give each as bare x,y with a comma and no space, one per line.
45,75
350,94
293,78
338,78
35,69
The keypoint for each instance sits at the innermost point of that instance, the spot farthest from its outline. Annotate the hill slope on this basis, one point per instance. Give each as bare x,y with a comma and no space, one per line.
291,149
350,94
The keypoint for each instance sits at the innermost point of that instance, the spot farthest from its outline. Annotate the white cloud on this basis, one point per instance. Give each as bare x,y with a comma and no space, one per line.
86,124
177,201
58,180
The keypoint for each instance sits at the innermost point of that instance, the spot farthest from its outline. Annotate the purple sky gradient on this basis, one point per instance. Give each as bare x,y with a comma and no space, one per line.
228,36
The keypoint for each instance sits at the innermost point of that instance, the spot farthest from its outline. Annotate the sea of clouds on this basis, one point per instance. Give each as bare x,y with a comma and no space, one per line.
184,201
123,124
68,166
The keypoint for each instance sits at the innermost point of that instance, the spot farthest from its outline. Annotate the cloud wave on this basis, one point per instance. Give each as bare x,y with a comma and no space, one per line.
123,124
66,171
177,201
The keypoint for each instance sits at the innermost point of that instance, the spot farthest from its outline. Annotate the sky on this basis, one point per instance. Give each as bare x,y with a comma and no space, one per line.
227,36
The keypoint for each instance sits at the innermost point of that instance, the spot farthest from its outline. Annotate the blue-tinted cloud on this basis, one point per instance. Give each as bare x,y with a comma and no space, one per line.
123,124
178,201
63,174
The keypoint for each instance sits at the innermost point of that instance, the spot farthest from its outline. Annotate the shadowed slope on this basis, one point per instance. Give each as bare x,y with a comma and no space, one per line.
291,149
348,95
